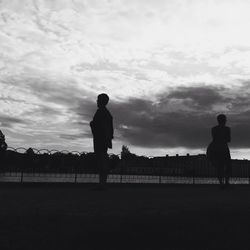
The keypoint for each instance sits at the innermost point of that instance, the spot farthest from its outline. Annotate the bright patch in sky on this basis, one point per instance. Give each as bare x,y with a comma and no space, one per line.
56,56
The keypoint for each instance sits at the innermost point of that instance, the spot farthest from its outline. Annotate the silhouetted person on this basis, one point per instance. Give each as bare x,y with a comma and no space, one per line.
219,153
102,130
3,147
3,144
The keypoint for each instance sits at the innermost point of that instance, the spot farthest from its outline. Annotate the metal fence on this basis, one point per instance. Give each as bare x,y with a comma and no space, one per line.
43,165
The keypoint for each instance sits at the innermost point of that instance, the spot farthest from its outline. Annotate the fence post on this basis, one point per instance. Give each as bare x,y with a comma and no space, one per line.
75,174
248,172
22,176
193,175
121,172
158,172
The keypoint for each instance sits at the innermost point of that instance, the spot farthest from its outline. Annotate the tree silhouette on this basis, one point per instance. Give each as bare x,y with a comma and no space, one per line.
126,154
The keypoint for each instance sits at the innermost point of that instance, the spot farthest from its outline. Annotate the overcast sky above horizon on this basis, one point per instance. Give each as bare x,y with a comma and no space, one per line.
169,67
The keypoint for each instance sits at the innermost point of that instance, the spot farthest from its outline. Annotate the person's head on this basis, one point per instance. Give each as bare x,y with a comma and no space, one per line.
102,100
222,119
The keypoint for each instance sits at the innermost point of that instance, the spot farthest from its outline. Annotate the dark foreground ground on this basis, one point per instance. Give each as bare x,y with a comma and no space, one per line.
124,217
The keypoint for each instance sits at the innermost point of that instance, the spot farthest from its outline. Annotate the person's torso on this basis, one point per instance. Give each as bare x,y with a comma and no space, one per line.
102,124
221,134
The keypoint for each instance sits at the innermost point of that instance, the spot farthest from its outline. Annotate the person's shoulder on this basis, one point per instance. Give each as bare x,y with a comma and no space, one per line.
103,113
215,127
107,112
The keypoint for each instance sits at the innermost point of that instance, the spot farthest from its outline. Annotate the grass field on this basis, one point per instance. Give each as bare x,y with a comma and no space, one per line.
64,216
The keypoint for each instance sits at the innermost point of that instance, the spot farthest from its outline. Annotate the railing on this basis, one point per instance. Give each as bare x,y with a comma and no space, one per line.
43,165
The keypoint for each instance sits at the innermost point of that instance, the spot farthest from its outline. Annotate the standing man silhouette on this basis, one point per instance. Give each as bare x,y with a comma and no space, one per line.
102,130
218,150
3,147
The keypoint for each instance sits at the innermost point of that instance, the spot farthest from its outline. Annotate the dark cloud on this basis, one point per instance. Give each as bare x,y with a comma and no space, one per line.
9,121
73,137
85,108
178,117
240,124
199,97
146,123
53,92
66,94
50,90
141,124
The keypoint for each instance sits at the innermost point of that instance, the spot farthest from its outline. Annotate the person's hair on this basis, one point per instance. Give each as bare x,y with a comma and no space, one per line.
221,119
103,98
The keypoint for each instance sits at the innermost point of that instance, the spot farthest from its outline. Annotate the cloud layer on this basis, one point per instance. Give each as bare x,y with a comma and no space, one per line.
184,117
168,66
181,117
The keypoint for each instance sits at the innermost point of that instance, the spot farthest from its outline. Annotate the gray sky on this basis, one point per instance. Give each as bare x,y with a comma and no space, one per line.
169,68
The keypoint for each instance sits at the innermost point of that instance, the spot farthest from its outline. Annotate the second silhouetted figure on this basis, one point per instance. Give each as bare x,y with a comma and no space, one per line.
218,150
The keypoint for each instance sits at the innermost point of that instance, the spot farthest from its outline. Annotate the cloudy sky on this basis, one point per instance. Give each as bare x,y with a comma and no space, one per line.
169,67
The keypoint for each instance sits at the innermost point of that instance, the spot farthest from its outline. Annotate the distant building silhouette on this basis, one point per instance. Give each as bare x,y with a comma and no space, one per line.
102,130
126,154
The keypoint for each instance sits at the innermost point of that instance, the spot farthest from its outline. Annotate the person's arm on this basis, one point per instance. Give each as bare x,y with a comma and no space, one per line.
93,124
92,127
112,128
